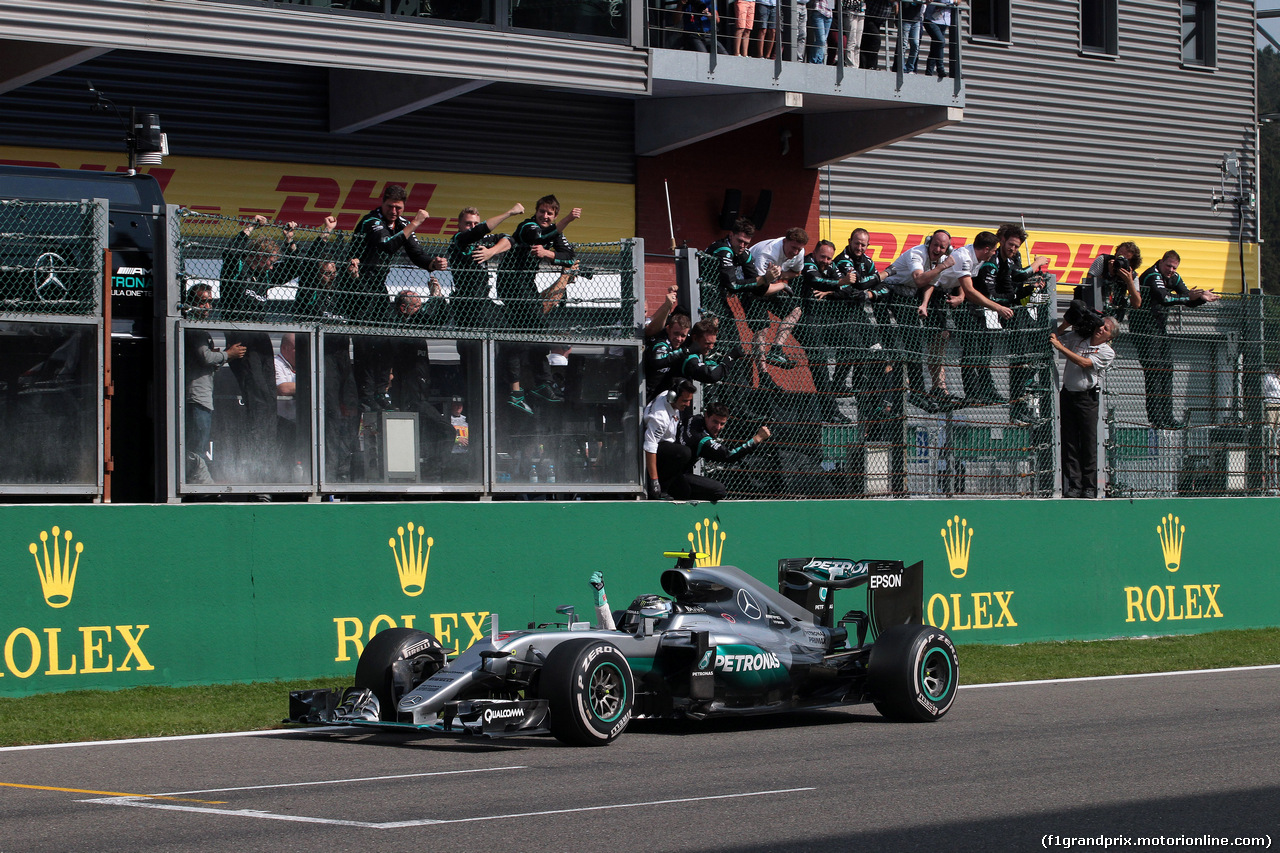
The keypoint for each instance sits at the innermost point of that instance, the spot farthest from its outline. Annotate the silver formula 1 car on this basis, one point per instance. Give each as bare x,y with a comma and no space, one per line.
719,643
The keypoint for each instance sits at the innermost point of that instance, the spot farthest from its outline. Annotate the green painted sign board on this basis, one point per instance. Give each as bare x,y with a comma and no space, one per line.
113,596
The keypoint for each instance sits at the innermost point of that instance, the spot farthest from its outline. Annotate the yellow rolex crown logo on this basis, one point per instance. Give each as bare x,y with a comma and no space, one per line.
1171,532
958,535
703,540
57,575
411,560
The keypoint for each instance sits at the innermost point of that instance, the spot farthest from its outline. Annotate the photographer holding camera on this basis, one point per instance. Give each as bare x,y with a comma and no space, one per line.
1115,278
1086,334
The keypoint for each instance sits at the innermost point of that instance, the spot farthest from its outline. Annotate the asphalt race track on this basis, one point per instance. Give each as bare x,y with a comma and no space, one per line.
1177,755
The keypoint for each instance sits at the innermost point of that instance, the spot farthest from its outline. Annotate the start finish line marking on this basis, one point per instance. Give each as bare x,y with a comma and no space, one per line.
401,824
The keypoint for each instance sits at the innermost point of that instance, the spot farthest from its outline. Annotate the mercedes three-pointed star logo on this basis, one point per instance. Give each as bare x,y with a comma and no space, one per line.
48,287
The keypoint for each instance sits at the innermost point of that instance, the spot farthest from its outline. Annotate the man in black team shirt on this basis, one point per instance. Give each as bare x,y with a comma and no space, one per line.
469,253
701,440
537,239
381,235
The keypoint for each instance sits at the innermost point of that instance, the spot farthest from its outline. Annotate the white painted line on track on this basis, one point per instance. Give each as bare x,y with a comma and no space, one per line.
403,824
169,738
1115,677
342,781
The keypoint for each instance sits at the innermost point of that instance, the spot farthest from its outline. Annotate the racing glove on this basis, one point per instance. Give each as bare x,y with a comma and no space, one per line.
604,616
734,354
654,489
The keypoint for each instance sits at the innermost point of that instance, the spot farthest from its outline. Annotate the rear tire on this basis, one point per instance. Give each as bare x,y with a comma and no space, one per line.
913,673
589,691
376,668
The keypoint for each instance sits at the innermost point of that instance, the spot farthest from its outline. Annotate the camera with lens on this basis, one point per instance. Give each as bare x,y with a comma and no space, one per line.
1120,263
1083,319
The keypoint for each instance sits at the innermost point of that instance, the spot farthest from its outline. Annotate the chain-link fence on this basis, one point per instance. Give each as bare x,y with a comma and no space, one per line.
876,400
1192,405
51,257
490,288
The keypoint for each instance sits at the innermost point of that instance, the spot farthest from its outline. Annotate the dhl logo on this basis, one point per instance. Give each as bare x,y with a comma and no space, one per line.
1069,262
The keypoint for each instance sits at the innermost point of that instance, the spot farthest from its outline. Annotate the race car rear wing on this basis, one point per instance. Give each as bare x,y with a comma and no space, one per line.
895,593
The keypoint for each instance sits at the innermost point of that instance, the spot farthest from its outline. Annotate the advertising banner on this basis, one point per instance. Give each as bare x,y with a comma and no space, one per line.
308,192
114,596
1207,264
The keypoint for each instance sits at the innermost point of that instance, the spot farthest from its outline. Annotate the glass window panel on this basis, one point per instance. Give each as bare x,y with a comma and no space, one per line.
48,404
574,418
244,421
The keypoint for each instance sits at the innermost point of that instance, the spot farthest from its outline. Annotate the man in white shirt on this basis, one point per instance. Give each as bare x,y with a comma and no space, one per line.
662,451
1078,404
776,261
957,285
912,279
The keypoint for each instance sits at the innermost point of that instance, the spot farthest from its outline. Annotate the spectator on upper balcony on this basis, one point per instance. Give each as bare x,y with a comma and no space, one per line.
820,13
746,16
937,22
797,29
698,19
854,17
912,16
877,16
764,42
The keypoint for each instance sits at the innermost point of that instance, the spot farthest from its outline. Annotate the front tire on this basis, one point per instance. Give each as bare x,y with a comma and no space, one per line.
589,690
394,662
913,673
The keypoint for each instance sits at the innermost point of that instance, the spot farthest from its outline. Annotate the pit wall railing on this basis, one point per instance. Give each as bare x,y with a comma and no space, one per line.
53,368
404,376
873,401
107,597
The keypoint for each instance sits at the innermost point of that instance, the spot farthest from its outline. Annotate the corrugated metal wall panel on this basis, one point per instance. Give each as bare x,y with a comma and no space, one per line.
279,34
262,111
1075,143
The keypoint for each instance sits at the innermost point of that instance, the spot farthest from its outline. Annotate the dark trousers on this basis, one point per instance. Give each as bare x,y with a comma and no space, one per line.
1079,442
340,404
372,369
674,460
1156,358
872,35
256,374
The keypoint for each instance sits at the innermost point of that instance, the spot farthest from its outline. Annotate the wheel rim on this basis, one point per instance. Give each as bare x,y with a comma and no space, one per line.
936,674
608,692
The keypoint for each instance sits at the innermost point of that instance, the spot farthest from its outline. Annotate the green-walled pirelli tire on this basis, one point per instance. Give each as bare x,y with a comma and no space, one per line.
589,690
394,662
913,673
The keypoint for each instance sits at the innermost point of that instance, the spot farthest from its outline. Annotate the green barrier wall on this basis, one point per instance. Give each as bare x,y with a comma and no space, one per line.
195,594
